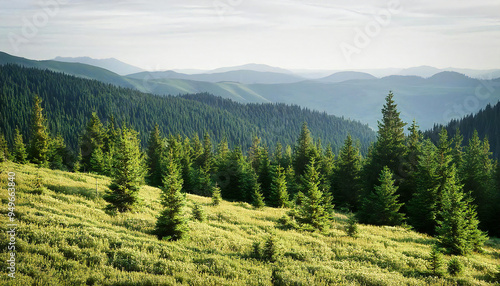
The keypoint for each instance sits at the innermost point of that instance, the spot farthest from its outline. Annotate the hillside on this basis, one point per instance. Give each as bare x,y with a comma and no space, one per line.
486,122
427,100
66,238
69,102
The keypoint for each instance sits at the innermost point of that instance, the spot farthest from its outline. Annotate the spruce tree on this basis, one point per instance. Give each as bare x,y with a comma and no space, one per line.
155,152
58,154
382,207
172,223
457,226
39,138
390,149
257,197
304,151
216,196
128,174
312,214
436,262
19,151
91,140
346,177
198,213
423,205
408,186
279,194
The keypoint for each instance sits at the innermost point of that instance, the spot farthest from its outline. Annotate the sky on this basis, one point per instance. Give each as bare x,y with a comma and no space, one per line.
293,34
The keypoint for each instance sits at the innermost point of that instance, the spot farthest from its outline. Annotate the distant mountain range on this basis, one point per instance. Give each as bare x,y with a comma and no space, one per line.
429,98
111,64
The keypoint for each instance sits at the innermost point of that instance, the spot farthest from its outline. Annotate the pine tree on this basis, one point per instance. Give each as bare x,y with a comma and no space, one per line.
408,186
279,194
436,262
390,149
382,206
58,154
477,175
458,226
39,138
216,196
155,152
264,173
96,162
128,174
19,150
304,151
257,197
311,213
457,150
198,213
270,251
172,223
351,228
91,140
346,177
4,149
423,206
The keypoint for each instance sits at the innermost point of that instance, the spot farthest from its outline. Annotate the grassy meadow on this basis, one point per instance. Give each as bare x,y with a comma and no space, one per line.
64,237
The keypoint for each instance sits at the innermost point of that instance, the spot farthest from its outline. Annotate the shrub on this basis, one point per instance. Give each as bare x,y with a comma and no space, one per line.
270,251
455,267
198,213
436,262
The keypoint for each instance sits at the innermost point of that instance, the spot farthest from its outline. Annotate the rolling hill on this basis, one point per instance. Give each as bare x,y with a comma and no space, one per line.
65,237
111,64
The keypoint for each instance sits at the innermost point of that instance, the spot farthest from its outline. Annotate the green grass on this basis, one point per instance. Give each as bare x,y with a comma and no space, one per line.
65,238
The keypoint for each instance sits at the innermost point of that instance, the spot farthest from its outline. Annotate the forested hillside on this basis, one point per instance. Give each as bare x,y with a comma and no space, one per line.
69,102
486,122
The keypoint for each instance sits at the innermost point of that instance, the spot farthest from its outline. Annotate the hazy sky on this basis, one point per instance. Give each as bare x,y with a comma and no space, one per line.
204,34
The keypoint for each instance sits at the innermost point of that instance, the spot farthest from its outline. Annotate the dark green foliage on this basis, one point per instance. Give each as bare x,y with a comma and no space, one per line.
408,186
198,213
311,213
279,194
382,207
422,207
39,138
128,174
155,152
455,267
4,149
69,102
351,227
346,183
257,197
58,155
457,226
19,154
270,250
390,149
436,262
91,145
304,151
172,223
216,195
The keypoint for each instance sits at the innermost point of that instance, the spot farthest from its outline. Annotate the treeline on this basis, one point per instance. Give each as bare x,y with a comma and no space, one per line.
69,102
486,122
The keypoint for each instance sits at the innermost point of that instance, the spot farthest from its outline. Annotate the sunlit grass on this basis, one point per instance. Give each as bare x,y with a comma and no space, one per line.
66,238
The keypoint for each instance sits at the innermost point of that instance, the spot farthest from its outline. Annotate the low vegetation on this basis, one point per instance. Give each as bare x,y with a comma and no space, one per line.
65,237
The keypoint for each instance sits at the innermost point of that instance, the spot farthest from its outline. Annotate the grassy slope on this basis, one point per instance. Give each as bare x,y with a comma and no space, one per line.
65,238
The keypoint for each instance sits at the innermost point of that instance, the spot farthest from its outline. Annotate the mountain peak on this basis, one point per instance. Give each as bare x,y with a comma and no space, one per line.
110,64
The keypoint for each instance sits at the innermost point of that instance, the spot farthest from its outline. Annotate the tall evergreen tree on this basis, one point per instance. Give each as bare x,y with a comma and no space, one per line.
304,151
408,186
477,175
155,151
264,174
279,194
458,225
91,141
172,222
312,214
423,205
390,149
58,154
39,138
382,207
128,174
19,149
457,150
346,178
